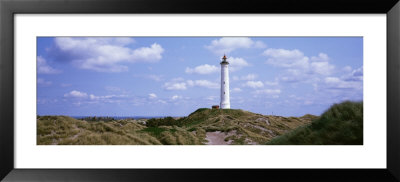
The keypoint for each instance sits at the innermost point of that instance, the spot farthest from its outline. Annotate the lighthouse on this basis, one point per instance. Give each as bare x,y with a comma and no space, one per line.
225,101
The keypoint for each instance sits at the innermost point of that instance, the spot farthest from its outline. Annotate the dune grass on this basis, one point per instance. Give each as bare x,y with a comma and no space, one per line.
342,124
239,127
64,130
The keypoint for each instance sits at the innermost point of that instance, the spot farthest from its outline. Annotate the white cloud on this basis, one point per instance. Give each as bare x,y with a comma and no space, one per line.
259,44
320,57
76,94
93,97
353,80
322,68
105,97
181,84
203,69
245,77
354,75
308,102
237,63
44,68
211,98
236,90
299,67
337,83
290,78
179,79
148,54
294,75
150,77
333,80
123,41
106,54
161,101
41,81
81,98
249,77
152,96
175,86
286,58
175,97
347,68
336,88
254,84
268,91
269,83
203,83
190,83
226,45
155,77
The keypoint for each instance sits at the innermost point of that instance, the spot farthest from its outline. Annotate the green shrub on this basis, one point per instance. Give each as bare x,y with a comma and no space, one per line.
341,124
155,131
167,121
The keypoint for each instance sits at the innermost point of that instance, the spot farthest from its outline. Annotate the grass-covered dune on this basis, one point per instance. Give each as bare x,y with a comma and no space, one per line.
204,126
64,130
342,124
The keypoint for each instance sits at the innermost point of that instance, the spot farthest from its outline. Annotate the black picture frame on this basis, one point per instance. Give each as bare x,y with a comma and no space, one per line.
9,8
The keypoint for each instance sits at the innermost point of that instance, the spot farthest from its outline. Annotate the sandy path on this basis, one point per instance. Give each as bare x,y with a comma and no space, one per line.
263,129
218,138
215,138
76,135
263,120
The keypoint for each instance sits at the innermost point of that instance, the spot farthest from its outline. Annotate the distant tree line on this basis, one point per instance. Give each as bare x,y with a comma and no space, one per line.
167,121
95,118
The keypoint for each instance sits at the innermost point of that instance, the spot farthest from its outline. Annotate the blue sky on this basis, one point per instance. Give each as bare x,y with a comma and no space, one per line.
174,76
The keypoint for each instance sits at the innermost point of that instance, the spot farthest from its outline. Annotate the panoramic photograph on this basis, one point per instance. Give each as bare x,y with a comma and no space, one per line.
199,91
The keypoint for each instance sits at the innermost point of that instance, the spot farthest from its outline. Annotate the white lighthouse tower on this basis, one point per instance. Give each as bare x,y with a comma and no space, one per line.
225,101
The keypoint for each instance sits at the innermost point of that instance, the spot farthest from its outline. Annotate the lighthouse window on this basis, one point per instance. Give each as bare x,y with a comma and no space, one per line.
224,93
224,82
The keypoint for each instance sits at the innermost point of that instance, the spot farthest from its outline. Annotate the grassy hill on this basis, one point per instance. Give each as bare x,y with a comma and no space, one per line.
204,126
342,124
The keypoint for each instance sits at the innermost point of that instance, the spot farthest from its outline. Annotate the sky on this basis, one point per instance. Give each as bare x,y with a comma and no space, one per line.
174,76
